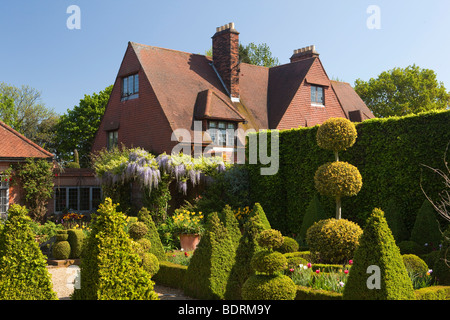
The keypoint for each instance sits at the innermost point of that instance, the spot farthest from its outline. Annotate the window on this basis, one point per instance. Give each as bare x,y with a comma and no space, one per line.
77,198
222,133
112,139
130,87
4,196
317,96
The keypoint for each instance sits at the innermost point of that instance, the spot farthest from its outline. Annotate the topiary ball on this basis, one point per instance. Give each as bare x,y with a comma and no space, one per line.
414,264
334,240
138,230
289,245
150,263
338,179
268,262
336,134
270,239
61,250
146,244
265,287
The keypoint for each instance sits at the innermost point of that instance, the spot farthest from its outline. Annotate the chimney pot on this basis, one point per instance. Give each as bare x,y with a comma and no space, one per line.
304,53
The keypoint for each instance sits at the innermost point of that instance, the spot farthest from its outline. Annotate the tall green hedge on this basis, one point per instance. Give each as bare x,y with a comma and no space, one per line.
389,153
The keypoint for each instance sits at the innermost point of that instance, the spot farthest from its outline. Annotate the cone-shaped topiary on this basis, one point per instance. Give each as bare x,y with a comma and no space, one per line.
393,214
314,212
109,268
426,228
211,263
157,248
258,211
231,223
24,274
378,271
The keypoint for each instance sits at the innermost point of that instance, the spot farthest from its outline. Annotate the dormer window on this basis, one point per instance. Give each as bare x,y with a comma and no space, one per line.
130,87
317,96
222,133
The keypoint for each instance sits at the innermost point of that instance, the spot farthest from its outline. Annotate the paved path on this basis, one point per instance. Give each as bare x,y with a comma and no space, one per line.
63,281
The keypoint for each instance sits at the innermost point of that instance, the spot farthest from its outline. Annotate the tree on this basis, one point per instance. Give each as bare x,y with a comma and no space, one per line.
77,128
399,92
23,110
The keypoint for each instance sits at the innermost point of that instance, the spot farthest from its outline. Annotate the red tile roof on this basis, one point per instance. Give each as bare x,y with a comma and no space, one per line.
14,145
350,100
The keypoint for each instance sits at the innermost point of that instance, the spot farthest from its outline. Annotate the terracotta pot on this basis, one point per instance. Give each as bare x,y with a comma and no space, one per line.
189,242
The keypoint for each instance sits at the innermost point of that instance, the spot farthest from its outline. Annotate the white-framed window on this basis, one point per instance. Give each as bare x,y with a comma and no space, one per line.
317,96
112,139
77,198
222,133
4,197
130,87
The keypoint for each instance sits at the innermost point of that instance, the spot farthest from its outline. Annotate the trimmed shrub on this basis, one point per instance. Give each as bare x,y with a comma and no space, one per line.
138,230
269,287
414,264
231,223
336,134
24,274
268,262
150,263
75,239
170,274
377,248
109,268
211,263
157,248
314,212
333,240
289,245
411,247
294,259
258,211
441,268
394,217
433,293
308,293
338,179
61,250
426,228
270,239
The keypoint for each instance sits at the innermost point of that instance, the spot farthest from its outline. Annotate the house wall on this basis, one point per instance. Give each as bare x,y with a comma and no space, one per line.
141,121
300,111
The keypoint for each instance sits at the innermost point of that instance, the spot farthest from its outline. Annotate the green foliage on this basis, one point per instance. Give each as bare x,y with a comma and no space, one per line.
61,250
270,239
308,293
377,248
138,230
150,263
336,134
170,274
23,275
210,266
76,238
338,179
76,129
109,268
314,212
269,287
411,247
230,222
389,154
259,55
401,91
294,259
394,215
426,228
268,262
441,268
414,264
152,234
36,178
259,212
433,293
334,240
289,245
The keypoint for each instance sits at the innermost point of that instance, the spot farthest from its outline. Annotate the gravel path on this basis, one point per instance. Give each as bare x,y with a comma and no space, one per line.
64,280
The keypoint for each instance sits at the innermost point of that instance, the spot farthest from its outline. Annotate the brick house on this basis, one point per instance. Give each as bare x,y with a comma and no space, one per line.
158,91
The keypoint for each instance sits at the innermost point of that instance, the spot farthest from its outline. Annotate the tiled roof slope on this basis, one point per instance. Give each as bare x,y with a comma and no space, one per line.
14,145
350,100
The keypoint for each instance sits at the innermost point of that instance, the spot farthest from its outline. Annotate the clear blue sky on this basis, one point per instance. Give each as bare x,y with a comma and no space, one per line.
39,50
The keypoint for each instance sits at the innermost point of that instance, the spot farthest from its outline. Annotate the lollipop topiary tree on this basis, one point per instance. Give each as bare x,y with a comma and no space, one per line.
337,179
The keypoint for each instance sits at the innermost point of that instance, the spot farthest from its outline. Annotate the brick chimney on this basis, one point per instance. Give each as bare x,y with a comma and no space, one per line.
225,49
304,53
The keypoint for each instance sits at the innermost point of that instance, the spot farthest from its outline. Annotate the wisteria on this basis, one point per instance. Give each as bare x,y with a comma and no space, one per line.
139,165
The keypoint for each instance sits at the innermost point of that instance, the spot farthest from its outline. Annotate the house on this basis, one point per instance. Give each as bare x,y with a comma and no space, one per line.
159,91
75,189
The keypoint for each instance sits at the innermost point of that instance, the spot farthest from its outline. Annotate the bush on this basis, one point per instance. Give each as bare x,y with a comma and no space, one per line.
338,179
336,134
333,240
269,287
24,274
150,263
258,211
270,239
75,238
61,250
268,262
109,268
138,230
210,266
377,248
414,264
231,223
433,293
394,217
426,227
314,212
308,293
289,245
170,274
157,248
294,259
441,269
411,247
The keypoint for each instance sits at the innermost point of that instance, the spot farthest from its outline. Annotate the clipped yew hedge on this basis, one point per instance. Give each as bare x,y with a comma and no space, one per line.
389,153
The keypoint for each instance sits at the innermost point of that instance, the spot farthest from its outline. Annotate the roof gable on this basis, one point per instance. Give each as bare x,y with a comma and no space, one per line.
350,100
16,146
210,106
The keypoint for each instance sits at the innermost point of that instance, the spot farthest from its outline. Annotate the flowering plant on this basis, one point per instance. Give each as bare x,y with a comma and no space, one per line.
188,222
